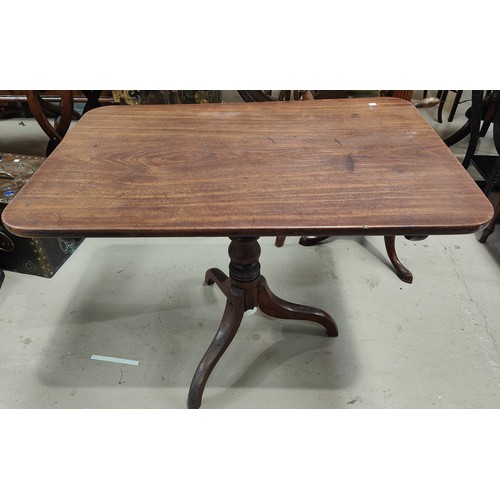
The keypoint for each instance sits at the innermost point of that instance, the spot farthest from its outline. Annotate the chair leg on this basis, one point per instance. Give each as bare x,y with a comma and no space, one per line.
403,273
456,102
442,100
473,126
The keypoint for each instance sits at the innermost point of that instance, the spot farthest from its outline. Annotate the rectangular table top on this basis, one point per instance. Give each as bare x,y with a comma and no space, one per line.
326,167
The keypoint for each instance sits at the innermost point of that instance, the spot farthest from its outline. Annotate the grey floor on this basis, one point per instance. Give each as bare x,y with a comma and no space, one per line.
431,344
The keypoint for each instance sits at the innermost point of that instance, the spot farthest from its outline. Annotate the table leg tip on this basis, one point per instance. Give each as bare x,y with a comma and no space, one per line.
407,278
193,404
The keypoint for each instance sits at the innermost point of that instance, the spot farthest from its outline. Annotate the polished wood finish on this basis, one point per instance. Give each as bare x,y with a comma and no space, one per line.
251,169
403,273
245,288
390,241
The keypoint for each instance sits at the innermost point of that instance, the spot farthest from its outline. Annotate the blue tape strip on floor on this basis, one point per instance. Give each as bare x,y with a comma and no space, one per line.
97,357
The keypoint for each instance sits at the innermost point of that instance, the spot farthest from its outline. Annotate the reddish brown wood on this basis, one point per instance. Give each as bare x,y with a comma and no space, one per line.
292,168
246,288
280,241
390,244
403,273
246,170
231,319
390,241
276,307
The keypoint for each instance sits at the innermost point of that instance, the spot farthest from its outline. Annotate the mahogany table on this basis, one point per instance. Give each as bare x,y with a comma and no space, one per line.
348,166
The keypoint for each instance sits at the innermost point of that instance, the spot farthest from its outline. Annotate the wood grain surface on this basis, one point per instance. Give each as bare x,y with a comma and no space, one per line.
346,166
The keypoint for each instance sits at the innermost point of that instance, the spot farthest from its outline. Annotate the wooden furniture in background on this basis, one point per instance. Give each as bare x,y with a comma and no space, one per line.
491,226
488,166
374,167
56,105
483,109
442,95
62,120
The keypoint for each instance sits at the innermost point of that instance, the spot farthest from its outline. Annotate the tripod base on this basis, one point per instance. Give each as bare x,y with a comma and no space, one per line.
245,289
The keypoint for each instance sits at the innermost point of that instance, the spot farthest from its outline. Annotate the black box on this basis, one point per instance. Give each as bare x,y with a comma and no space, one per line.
37,256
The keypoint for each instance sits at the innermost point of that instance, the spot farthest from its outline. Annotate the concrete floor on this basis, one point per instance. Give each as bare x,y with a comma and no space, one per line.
432,344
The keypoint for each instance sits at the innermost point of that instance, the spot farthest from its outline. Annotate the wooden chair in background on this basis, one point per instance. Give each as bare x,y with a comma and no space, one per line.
488,166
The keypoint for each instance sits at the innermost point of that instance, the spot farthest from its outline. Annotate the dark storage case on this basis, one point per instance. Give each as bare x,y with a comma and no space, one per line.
37,256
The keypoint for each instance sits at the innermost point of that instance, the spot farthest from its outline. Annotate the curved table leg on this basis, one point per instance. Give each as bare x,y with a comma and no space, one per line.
233,314
309,241
403,273
2,276
390,245
275,307
216,276
245,289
